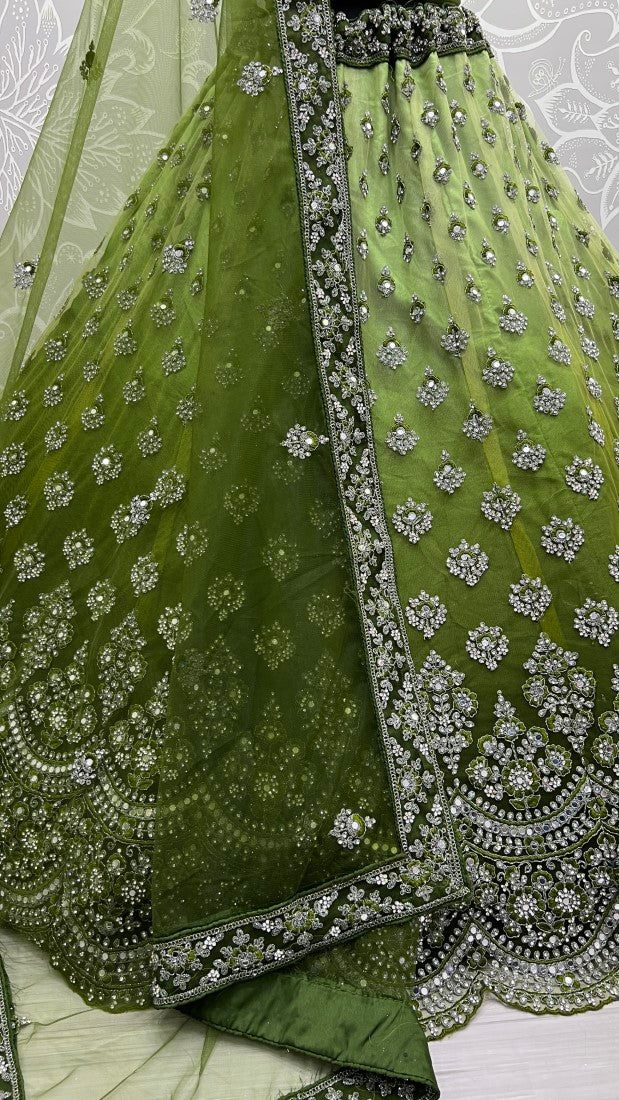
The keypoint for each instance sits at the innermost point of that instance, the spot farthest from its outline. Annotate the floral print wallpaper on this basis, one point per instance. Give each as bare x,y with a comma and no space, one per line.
562,56
34,39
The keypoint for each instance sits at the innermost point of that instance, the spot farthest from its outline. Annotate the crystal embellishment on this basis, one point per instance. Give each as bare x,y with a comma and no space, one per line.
391,352
255,77
301,442
205,11
401,439
349,828
23,276
412,519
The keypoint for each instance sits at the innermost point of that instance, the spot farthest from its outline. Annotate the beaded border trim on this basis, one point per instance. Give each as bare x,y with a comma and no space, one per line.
196,963
370,1085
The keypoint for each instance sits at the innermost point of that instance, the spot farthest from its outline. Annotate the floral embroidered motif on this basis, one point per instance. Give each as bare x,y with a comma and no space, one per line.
391,353
597,619
467,561
401,439
584,476
547,400
412,519
530,596
349,828
301,442
448,477
256,77
426,613
528,455
487,644
562,537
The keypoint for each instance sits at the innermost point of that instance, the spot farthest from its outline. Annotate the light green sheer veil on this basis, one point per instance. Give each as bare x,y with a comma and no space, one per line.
110,113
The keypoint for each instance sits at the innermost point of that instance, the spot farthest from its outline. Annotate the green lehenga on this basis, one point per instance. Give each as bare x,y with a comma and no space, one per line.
309,571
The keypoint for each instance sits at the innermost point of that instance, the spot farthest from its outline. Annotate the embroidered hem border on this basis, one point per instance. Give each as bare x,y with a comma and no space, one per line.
448,997
193,964
365,1085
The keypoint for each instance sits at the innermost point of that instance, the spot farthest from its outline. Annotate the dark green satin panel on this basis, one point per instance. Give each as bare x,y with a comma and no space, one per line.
343,1025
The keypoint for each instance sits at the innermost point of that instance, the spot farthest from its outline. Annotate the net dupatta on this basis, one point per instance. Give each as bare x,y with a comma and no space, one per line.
131,70
295,719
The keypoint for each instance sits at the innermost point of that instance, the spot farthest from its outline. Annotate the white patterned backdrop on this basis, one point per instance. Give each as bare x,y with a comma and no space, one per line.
562,57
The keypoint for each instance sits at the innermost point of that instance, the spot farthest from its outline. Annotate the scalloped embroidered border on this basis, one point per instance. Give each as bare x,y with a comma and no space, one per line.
195,963
532,985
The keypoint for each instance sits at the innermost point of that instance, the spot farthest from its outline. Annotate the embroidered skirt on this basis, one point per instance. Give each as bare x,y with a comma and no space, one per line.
309,598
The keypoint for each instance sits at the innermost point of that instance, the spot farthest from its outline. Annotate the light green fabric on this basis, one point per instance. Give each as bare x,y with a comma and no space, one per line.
104,125
70,1050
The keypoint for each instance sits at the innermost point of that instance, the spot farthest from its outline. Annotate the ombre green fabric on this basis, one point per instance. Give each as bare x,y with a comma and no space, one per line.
309,570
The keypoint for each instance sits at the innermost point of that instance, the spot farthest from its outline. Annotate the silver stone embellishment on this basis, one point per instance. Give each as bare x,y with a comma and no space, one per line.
412,519
205,11
349,828
448,476
176,256
528,455
426,613
584,476
391,352
562,537
469,562
23,275
301,442
501,504
530,596
596,620
401,439
256,77
487,644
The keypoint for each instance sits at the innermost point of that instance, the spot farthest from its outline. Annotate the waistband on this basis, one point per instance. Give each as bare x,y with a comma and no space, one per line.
352,9
412,31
